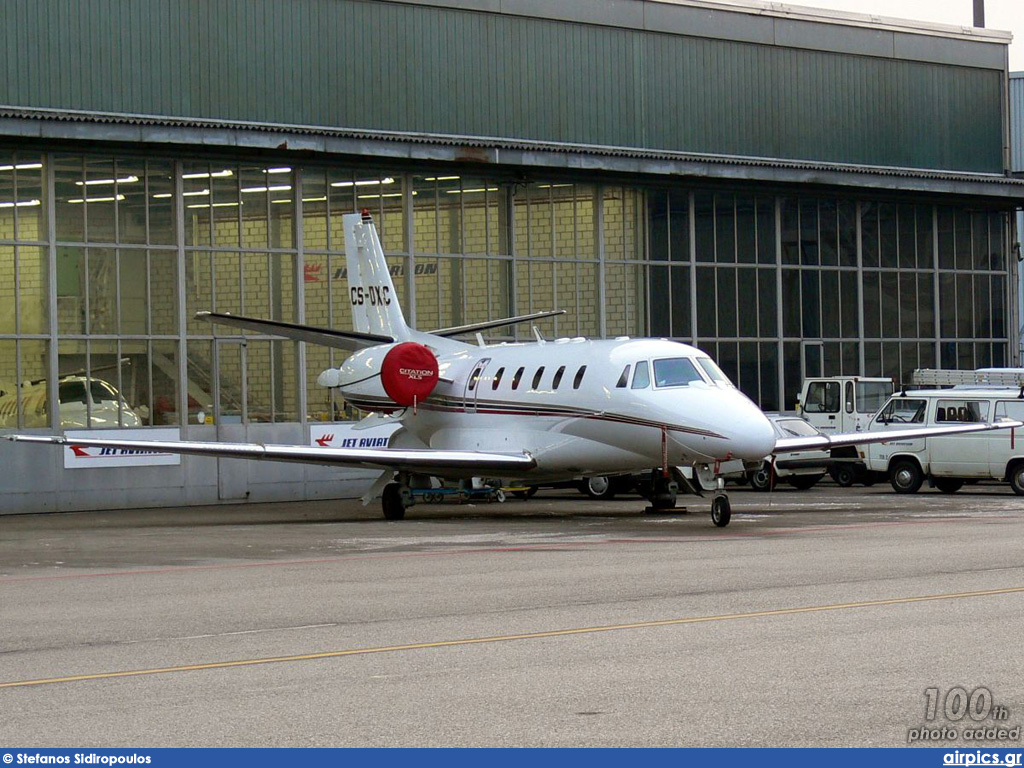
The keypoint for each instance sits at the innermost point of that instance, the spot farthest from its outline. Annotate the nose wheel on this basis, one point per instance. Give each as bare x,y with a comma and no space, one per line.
721,510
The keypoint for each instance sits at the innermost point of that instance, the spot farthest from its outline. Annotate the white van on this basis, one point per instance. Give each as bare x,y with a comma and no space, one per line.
947,462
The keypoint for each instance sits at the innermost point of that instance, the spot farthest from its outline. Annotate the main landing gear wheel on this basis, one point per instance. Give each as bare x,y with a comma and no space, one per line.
393,501
721,511
905,476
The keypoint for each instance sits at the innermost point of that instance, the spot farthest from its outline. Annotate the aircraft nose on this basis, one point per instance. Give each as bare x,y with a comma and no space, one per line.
751,436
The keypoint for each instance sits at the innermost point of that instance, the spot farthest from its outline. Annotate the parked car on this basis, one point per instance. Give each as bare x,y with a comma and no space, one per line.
801,470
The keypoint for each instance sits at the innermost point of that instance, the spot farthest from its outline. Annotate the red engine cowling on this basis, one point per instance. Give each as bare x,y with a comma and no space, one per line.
409,373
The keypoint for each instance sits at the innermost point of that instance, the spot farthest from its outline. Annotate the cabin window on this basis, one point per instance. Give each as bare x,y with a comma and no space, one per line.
641,376
497,378
849,397
961,411
579,377
558,377
517,378
675,372
537,377
624,378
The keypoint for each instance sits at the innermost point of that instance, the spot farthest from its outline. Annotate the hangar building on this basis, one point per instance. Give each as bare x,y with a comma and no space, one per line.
795,191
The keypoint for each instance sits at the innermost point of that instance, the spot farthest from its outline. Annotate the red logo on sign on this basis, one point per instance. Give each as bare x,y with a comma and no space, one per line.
324,441
80,451
311,273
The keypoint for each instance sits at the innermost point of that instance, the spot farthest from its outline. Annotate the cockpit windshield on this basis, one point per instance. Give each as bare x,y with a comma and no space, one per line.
713,371
675,372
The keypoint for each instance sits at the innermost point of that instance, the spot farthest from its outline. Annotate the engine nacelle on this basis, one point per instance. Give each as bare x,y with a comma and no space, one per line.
385,378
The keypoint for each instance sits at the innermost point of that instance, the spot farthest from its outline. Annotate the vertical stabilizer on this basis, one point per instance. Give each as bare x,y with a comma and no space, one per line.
375,307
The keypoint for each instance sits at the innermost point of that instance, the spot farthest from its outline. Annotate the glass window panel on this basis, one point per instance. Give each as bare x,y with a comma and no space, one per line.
908,360
8,292
70,290
851,358
255,191
228,285
706,303
661,301
728,359
828,223
746,304
727,301
890,305
832,361
999,315
872,358
34,365
872,305
9,201
160,192
791,303
908,305
982,308
658,225
996,237
947,250
887,235
869,233
765,230
704,225
230,394
925,237
163,292
196,193
983,355
135,389
965,310
725,229
790,231
625,304
29,208
341,199
198,291
679,226
749,368
69,172
105,369
134,297
99,194
847,214
810,302
965,355
132,206
9,380
907,236
767,302
979,239
891,361
925,305
792,373
102,278
809,237
620,241
165,382
280,224
746,231
926,355
947,305
769,373
681,302
848,302
999,355
962,239
260,380
314,210
830,304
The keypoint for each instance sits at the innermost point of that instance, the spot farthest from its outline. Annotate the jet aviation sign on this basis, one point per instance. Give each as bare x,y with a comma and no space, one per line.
347,436
82,457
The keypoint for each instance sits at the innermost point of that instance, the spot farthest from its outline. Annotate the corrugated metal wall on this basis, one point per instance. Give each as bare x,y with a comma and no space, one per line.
1017,121
353,64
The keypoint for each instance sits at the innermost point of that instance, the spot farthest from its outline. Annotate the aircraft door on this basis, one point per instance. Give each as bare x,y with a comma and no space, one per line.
473,384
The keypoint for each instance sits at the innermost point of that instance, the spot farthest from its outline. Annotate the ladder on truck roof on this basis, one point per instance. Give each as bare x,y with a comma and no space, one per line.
983,377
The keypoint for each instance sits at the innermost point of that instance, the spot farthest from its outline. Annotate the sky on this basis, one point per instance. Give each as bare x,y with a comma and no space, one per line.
1005,15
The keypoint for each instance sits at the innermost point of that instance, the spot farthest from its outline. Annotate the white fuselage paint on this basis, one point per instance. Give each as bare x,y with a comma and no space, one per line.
594,428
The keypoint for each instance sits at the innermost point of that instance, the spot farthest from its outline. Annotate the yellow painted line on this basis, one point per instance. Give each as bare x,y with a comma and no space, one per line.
505,638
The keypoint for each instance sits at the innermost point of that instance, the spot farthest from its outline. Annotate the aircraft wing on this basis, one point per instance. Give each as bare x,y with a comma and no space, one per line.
826,442
350,340
426,460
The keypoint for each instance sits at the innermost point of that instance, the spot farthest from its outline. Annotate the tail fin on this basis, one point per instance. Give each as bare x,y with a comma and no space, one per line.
375,307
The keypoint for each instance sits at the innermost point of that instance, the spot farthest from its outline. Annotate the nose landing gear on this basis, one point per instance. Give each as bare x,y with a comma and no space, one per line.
721,510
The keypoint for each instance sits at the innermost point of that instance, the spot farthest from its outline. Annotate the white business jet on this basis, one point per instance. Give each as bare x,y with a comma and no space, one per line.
529,412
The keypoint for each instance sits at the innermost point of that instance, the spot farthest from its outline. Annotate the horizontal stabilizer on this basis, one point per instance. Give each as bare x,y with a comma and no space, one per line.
477,327
826,442
350,340
426,460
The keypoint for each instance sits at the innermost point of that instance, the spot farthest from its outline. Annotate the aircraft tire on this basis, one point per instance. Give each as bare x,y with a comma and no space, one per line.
721,511
392,503
905,476
948,484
